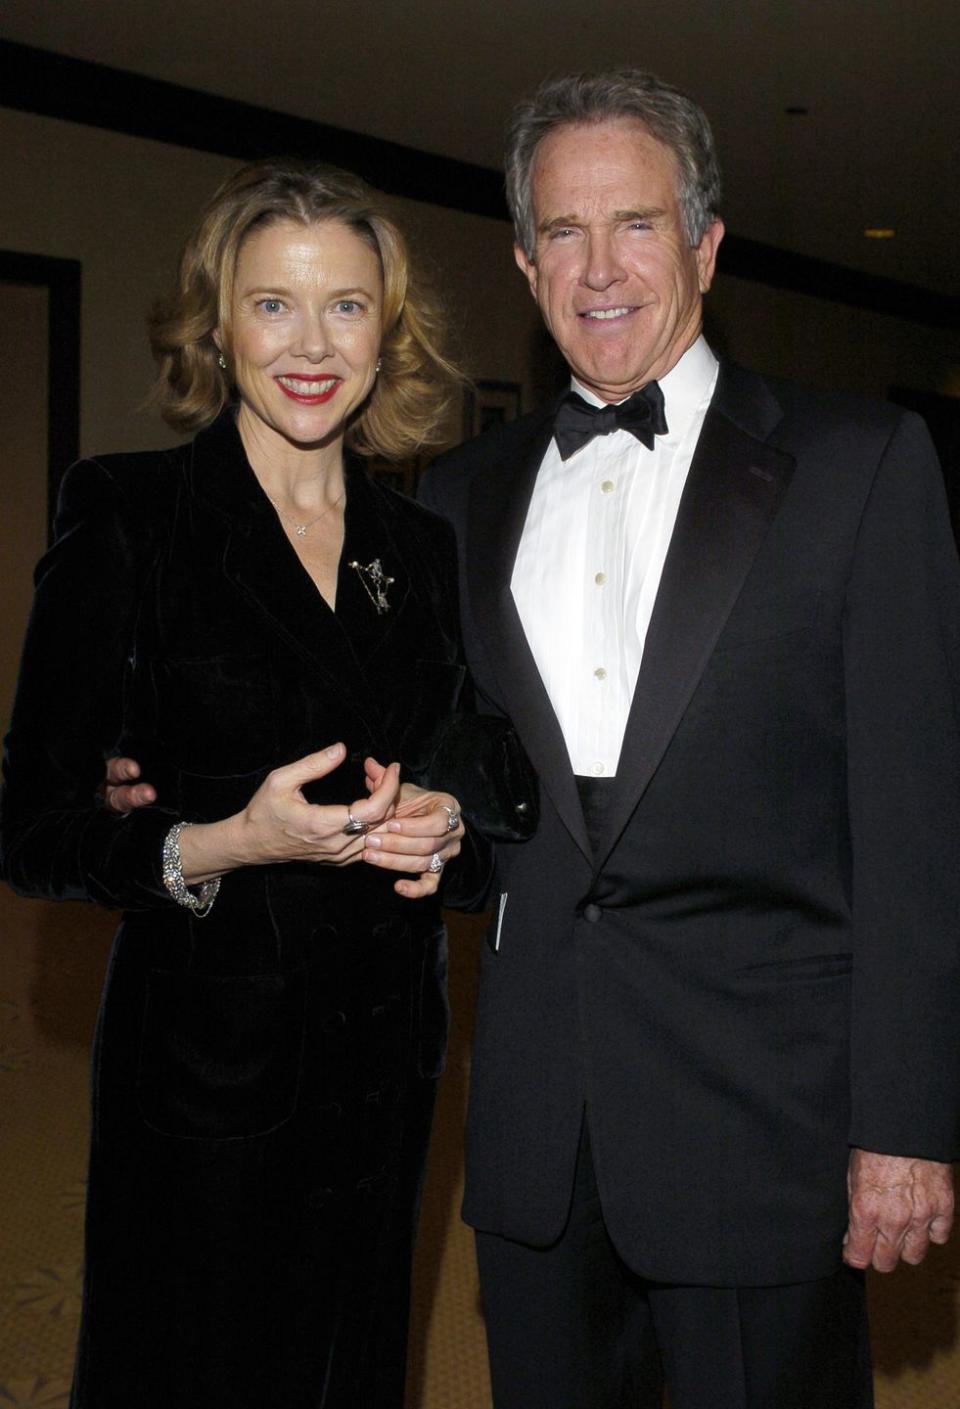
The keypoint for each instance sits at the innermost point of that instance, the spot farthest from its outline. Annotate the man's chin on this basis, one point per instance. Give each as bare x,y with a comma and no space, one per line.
610,384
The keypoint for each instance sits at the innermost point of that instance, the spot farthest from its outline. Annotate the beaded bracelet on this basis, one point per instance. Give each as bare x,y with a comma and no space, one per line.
200,904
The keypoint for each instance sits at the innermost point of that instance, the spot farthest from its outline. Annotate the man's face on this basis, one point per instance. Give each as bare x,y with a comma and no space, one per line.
617,282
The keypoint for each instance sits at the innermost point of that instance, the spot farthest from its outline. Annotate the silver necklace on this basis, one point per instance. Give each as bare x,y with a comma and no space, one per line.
301,529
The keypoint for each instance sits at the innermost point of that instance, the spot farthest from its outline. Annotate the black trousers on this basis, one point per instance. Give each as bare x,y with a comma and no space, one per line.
571,1327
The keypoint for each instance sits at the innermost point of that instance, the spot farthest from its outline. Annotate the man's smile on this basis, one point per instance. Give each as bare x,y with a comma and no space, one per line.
607,314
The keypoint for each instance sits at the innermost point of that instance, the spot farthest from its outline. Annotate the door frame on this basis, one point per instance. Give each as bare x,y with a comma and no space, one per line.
62,280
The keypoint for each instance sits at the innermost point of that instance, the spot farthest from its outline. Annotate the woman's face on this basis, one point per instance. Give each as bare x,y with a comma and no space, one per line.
306,314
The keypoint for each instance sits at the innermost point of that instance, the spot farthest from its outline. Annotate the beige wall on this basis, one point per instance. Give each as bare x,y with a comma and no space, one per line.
827,344
122,205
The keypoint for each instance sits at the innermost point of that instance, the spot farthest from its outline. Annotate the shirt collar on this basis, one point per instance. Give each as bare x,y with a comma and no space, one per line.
685,388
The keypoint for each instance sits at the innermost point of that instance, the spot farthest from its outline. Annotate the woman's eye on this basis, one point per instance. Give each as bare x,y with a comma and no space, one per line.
348,305
271,305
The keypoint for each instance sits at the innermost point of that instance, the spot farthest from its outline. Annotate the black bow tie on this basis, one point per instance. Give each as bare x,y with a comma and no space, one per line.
577,422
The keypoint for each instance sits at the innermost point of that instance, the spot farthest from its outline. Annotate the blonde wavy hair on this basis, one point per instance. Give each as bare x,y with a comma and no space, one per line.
417,383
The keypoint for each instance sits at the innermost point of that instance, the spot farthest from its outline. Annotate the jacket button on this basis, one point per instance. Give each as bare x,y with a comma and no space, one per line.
592,913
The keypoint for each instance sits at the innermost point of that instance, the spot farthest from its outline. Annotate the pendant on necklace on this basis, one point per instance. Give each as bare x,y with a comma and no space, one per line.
301,529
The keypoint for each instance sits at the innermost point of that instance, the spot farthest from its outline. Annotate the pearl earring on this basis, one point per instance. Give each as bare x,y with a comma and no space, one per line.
222,360
379,364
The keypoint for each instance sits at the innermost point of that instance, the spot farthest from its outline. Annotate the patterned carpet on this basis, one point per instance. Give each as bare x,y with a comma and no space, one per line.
52,960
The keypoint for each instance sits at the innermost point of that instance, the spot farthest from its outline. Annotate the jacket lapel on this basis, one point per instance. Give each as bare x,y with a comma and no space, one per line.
261,564
370,540
497,511
733,489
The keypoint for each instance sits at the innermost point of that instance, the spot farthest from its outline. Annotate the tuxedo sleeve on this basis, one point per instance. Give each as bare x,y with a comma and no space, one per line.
901,653
57,839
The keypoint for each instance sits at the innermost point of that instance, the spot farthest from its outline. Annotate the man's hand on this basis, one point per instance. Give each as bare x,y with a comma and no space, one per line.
122,793
898,1207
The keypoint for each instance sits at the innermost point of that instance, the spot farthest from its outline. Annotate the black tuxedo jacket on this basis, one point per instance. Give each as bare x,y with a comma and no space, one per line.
173,623
758,967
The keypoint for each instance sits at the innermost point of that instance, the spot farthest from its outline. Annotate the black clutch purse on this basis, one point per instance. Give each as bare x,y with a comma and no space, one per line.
479,758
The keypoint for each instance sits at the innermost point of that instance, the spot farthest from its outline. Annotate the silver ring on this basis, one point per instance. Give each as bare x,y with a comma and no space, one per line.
453,817
354,827
435,864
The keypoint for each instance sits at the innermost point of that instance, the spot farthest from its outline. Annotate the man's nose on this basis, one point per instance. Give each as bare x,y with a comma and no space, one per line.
603,266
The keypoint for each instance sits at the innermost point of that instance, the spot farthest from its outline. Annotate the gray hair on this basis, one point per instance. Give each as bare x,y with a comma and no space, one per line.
667,113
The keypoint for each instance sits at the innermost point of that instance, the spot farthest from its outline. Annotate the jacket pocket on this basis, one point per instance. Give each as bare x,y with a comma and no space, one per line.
220,1057
779,617
802,969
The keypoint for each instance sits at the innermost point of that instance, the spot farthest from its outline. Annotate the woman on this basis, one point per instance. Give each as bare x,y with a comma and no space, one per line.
274,1014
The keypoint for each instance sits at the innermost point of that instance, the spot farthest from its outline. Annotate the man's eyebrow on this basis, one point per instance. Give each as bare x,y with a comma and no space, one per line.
558,222
650,212
563,222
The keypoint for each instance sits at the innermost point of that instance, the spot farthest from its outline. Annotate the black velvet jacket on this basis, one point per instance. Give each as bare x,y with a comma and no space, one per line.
262,1076
174,623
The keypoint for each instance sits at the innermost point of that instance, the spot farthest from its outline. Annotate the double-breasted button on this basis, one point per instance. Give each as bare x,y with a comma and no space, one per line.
334,1021
592,913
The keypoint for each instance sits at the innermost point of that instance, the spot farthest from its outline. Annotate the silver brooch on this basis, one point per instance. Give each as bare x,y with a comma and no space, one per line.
375,583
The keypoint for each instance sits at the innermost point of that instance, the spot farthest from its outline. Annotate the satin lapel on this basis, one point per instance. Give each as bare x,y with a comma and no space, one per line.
497,511
733,488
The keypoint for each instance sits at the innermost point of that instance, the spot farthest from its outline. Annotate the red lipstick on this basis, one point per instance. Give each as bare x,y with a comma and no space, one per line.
290,381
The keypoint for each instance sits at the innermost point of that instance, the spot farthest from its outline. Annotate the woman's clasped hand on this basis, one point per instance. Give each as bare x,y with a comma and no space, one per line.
405,828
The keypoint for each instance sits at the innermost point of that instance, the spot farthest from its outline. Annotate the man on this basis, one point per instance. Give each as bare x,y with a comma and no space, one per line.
722,980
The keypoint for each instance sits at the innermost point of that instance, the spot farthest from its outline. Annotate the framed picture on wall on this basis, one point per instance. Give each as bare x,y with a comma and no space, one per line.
56,284
487,403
